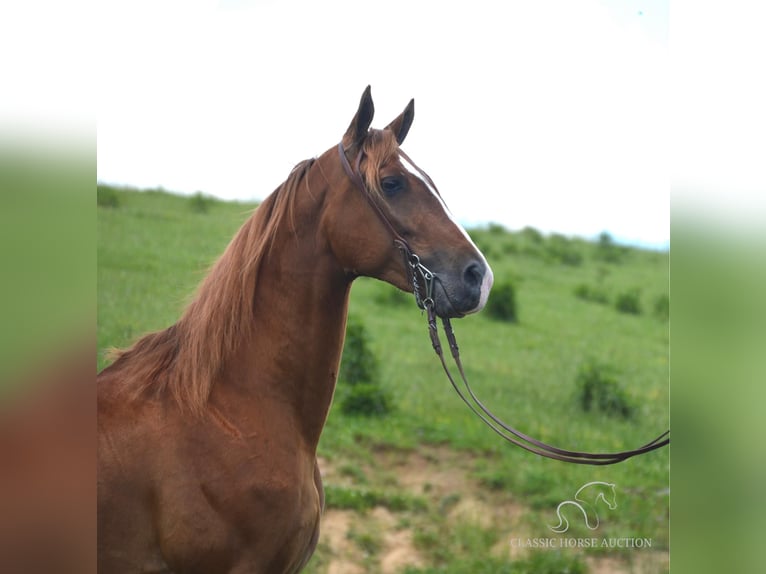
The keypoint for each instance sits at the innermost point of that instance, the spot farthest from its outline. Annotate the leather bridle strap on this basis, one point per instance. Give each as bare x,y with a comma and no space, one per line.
419,276
356,176
418,273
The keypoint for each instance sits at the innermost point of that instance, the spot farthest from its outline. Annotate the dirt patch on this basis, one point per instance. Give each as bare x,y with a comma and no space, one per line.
382,541
399,553
434,471
398,549
343,554
344,558
443,476
439,475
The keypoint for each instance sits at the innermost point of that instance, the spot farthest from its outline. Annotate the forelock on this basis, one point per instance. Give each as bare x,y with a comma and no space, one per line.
379,147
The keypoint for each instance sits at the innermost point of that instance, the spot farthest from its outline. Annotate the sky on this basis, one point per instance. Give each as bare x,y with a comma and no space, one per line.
550,114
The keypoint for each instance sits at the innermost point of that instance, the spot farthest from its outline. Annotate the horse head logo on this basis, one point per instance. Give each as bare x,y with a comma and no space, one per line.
585,500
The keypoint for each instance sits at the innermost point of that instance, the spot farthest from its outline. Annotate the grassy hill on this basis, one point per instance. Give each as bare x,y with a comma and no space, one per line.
427,487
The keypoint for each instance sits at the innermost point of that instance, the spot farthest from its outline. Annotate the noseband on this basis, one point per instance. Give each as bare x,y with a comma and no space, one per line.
424,298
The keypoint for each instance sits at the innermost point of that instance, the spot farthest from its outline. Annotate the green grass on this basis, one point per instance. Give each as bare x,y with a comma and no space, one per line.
551,562
153,248
363,499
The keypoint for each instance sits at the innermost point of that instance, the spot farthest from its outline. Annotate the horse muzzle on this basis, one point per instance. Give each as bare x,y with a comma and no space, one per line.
462,293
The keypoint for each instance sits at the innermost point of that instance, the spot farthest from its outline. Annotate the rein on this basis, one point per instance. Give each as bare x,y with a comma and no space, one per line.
419,273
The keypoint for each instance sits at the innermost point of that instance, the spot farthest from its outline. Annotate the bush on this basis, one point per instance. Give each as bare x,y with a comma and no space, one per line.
662,307
496,229
532,235
607,250
485,245
502,303
361,393
591,293
529,241
629,302
561,249
599,390
200,203
107,197
509,247
366,399
359,364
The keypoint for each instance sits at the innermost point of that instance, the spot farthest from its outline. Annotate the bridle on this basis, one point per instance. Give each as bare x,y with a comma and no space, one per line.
420,277
423,281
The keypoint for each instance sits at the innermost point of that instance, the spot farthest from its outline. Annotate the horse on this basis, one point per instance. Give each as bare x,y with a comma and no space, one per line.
597,491
208,429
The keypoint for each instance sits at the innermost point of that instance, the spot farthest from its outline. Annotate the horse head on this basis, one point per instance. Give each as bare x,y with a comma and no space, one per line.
609,495
598,491
401,207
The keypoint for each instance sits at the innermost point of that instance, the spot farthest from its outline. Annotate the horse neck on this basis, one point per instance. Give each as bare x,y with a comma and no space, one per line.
292,354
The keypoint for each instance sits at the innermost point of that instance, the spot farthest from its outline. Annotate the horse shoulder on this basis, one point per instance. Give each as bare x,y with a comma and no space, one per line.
242,491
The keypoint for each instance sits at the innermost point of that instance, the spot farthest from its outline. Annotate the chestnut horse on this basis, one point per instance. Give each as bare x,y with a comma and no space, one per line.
208,429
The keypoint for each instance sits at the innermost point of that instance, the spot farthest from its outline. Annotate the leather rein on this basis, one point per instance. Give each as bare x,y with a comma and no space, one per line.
423,281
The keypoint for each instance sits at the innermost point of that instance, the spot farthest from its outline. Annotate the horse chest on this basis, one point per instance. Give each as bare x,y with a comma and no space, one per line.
256,515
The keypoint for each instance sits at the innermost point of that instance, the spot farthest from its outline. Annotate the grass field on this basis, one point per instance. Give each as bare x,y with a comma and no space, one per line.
428,488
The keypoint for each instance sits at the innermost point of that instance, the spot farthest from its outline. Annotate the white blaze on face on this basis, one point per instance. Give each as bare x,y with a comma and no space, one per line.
486,284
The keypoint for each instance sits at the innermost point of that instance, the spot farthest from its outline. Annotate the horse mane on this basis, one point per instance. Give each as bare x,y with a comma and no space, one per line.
185,359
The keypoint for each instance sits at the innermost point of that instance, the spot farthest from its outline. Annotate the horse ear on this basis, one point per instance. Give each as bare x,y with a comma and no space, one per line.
401,125
357,130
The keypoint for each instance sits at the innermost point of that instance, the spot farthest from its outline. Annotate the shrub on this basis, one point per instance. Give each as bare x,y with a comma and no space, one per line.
366,399
200,203
629,302
496,229
607,250
502,303
530,241
599,390
359,373
509,247
561,249
532,235
662,307
591,293
359,364
107,197
485,245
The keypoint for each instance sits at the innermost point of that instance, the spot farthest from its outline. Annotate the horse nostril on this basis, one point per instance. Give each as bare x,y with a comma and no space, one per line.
473,275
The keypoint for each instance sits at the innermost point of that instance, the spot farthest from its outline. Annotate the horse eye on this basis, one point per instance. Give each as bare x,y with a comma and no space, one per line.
392,185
